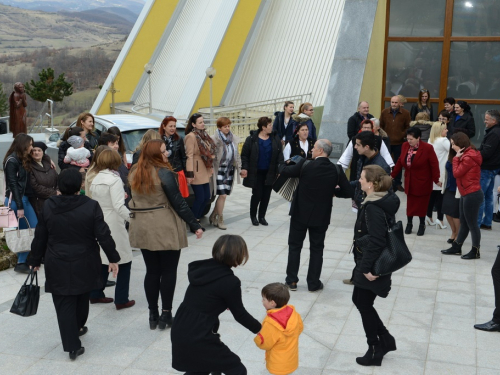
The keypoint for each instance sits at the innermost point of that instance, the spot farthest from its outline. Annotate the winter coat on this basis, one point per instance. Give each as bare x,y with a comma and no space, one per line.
395,127
442,149
218,156
425,128
467,171
69,232
464,124
77,156
250,158
279,337
196,346
16,180
354,122
93,140
177,158
158,220
43,181
279,126
414,110
61,153
376,213
363,161
195,167
303,118
490,148
107,189
89,177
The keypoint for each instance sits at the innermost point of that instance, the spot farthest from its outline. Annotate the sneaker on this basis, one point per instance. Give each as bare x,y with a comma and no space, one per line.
292,286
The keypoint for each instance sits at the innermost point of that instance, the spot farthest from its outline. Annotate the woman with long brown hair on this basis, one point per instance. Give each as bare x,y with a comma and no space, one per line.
157,227
423,104
200,152
174,143
17,167
86,121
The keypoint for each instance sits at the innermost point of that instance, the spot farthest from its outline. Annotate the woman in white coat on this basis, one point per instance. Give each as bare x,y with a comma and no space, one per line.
441,145
107,189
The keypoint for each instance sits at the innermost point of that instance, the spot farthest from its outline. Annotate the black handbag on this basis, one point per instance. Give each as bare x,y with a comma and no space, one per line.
26,302
394,256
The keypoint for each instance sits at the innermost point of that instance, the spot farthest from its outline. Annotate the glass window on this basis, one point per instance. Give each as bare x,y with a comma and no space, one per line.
478,111
412,66
417,18
474,70
476,18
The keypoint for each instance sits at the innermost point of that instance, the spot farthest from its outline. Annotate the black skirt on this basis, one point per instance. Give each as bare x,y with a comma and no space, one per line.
450,204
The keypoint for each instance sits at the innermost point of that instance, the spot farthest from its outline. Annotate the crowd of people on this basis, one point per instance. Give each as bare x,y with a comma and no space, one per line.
145,208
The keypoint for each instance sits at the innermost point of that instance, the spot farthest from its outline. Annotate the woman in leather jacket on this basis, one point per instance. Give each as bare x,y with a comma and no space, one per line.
17,167
86,122
157,227
174,143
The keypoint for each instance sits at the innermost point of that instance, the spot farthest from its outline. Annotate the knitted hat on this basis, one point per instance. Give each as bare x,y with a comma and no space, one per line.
41,145
75,141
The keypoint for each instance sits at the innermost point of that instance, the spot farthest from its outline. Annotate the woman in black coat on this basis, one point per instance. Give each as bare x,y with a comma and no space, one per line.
213,288
64,145
462,120
377,211
260,156
43,178
72,260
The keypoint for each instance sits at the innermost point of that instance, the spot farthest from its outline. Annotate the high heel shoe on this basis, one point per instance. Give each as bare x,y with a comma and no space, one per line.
165,319
421,230
428,221
154,316
408,229
373,357
440,225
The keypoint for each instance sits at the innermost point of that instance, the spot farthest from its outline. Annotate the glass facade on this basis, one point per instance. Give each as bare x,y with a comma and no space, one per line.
417,18
476,18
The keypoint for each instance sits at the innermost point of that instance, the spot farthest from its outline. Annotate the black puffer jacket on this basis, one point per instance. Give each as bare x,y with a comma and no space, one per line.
63,149
71,252
372,221
16,180
250,158
177,158
43,180
490,148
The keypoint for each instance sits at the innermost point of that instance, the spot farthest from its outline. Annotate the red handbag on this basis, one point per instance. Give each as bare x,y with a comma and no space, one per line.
183,186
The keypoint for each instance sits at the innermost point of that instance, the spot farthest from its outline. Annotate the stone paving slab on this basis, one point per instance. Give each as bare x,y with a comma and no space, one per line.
431,310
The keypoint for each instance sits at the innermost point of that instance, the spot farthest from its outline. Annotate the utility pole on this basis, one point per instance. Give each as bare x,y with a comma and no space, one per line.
113,91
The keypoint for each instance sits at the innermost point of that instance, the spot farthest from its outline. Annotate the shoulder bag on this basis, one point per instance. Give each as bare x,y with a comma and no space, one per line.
19,240
26,302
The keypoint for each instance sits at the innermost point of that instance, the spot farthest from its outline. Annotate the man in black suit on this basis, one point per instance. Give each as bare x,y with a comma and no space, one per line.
311,210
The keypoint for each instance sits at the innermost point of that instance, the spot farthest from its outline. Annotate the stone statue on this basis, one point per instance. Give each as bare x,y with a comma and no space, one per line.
18,104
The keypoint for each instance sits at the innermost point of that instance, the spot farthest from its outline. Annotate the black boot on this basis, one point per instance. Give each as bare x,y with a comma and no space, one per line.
373,356
254,221
153,318
387,343
165,320
409,227
421,230
473,254
455,249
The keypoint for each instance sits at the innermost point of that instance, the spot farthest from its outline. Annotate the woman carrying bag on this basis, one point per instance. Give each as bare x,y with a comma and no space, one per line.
377,212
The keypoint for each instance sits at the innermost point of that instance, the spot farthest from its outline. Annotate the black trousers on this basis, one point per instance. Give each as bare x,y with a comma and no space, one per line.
296,238
240,370
72,313
122,283
436,200
261,193
161,276
396,153
372,324
495,273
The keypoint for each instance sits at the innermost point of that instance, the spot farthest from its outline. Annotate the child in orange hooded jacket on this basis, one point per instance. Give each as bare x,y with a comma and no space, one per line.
281,328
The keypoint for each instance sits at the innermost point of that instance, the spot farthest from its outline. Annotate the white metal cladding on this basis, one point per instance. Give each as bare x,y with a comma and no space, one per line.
292,52
179,71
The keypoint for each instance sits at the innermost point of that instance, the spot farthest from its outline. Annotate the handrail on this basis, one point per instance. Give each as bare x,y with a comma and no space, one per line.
37,124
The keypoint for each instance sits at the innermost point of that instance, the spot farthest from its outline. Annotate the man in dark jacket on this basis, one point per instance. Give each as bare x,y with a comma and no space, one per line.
311,210
72,256
356,119
282,122
368,155
490,151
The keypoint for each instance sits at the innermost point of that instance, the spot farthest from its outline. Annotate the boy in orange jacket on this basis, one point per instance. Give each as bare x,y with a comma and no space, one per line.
281,328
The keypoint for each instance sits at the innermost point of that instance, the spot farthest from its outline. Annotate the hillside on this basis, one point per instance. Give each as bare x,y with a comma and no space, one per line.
135,6
24,30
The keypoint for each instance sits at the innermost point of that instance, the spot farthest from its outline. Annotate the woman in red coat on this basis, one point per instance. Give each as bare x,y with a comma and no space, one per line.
467,171
421,169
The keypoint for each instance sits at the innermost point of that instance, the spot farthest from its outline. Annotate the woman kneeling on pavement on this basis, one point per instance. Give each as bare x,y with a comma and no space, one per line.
377,212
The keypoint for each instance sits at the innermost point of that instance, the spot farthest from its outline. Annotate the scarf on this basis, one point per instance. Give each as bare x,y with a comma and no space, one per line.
228,142
169,143
206,146
411,152
375,196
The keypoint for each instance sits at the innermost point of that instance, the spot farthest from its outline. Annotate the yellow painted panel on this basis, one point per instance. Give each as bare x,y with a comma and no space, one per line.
229,52
140,53
371,90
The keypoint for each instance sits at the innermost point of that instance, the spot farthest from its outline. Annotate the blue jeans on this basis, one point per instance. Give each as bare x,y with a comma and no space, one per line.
30,214
201,199
487,182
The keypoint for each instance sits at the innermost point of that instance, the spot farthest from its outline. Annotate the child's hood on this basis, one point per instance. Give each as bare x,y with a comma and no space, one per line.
286,319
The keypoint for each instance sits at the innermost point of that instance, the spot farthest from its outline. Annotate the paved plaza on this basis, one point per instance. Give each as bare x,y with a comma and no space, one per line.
431,310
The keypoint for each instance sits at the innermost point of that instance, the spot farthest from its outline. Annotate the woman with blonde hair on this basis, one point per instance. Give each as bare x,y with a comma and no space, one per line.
441,145
227,164
305,114
92,171
149,135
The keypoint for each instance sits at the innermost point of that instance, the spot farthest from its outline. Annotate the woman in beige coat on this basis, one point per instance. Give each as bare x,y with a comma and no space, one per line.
200,153
158,227
227,164
107,189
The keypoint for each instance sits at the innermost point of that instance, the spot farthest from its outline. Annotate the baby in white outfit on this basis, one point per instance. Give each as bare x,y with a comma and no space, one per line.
77,154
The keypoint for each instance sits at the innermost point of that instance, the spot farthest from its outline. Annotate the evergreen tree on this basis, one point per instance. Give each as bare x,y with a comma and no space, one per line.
49,87
4,102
